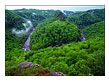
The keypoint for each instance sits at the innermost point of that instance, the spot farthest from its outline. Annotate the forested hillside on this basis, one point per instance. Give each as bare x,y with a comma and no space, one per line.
87,18
53,34
13,20
56,43
35,15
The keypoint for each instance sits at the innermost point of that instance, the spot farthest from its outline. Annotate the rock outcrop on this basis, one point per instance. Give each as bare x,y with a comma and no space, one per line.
59,15
40,71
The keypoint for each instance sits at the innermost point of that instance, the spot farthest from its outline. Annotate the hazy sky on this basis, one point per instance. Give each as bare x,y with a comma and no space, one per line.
70,8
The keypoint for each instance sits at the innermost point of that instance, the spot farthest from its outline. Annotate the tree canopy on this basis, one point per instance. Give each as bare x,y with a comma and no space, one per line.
56,42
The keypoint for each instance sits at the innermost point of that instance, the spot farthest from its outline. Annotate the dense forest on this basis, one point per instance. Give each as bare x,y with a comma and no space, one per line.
61,42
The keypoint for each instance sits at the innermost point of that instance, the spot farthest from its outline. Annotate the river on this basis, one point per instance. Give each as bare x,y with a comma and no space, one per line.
28,25
26,45
83,35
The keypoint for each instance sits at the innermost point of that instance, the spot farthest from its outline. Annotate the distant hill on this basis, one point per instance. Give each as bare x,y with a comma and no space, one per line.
35,15
55,43
68,13
87,18
13,20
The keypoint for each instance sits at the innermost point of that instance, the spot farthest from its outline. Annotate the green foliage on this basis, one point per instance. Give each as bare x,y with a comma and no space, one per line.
35,15
60,66
57,50
44,13
95,30
53,34
13,41
13,20
96,62
36,19
73,58
32,71
82,68
87,18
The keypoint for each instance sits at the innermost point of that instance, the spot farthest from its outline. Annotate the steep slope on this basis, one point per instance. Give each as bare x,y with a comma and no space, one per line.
44,13
54,47
14,25
87,18
35,15
95,30
13,20
60,16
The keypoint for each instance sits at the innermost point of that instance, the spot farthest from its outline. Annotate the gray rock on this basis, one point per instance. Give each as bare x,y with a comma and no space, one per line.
56,74
25,64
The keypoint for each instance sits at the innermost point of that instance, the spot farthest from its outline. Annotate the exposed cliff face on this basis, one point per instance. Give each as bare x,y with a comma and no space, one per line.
59,15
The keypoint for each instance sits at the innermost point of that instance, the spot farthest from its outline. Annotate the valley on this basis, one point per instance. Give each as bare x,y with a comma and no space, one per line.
54,42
